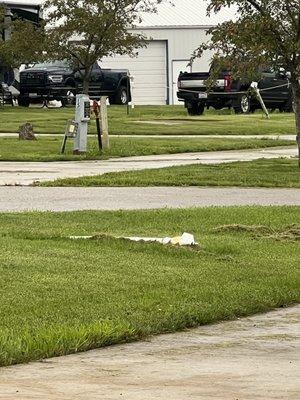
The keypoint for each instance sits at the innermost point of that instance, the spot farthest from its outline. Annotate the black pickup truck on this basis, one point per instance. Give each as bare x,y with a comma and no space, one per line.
193,92
59,81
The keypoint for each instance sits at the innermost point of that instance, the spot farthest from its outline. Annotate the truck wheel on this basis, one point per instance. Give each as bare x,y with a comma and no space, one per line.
69,98
195,109
243,106
23,101
112,101
289,106
121,97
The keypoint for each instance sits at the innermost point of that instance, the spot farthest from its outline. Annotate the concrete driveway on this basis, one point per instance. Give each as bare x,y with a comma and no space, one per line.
26,173
72,199
248,359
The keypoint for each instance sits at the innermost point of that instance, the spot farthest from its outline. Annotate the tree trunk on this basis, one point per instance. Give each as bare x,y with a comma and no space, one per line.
86,80
86,84
296,94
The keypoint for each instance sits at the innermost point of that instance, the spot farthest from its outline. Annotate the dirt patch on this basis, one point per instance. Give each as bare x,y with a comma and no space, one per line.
290,233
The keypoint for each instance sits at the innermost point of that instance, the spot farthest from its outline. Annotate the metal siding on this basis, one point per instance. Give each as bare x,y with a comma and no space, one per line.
185,13
152,61
181,44
149,70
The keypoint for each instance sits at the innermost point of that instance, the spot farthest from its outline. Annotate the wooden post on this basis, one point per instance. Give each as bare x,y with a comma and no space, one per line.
104,123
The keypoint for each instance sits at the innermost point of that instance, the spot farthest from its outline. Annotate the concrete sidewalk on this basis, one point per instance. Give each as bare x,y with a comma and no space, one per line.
271,137
248,359
74,199
26,173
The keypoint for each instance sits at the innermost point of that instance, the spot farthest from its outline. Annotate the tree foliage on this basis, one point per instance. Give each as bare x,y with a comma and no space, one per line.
86,31
263,33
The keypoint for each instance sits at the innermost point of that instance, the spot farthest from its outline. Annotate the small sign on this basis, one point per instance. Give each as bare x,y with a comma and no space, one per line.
203,95
70,132
71,129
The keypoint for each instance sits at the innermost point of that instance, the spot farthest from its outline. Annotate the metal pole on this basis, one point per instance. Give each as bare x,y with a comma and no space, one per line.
128,89
98,126
63,147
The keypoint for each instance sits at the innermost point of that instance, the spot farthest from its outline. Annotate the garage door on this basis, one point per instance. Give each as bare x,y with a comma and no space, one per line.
149,70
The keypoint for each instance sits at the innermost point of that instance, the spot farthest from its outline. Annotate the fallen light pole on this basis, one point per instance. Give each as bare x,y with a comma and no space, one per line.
254,86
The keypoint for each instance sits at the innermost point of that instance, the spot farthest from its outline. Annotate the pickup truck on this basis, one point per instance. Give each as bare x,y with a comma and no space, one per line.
193,92
59,81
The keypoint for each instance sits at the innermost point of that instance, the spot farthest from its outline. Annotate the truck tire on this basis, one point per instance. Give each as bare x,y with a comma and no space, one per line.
122,97
195,109
69,98
23,101
243,106
288,106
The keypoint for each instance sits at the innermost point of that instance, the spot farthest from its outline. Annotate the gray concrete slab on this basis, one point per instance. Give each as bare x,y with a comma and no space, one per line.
26,173
72,199
248,359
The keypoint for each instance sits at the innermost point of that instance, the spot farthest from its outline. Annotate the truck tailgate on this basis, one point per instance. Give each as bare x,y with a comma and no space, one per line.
197,81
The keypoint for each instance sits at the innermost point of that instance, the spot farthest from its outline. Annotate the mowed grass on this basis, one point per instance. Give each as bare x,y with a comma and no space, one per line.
261,173
60,296
152,120
48,148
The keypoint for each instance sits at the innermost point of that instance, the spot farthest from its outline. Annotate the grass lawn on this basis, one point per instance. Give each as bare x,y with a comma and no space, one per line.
168,120
48,149
260,173
59,296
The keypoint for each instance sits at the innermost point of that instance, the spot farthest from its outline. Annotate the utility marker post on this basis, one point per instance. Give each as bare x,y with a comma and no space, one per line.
82,118
104,123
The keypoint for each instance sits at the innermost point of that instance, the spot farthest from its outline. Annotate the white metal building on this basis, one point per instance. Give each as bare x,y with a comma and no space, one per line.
174,33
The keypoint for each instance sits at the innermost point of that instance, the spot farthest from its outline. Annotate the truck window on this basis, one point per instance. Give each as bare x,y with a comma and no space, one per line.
53,64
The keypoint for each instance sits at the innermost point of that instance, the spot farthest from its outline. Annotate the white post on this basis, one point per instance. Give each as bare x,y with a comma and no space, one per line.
132,91
104,123
254,86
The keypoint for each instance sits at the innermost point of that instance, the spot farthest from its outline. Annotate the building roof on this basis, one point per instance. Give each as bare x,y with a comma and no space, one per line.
185,13
29,11
171,13
25,3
